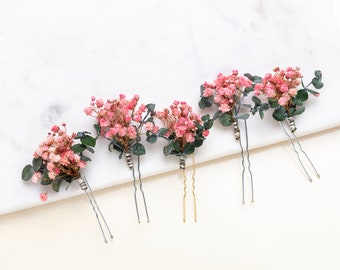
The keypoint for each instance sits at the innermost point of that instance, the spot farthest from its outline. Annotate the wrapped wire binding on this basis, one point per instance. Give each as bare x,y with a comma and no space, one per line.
291,124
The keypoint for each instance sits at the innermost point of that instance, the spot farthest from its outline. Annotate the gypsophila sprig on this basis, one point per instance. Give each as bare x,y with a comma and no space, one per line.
183,129
226,93
121,122
58,159
285,92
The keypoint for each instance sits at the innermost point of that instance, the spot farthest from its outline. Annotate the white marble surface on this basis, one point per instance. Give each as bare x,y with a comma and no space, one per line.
54,55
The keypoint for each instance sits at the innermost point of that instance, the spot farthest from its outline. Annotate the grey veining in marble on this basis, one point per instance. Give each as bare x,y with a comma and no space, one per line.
54,55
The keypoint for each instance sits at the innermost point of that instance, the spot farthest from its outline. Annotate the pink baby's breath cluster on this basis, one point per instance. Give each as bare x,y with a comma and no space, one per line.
281,85
118,118
180,121
225,88
57,155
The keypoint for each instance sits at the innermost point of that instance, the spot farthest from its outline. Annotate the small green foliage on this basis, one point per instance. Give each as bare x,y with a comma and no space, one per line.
280,114
137,149
27,172
151,137
225,119
243,116
37,163
316,81
151,107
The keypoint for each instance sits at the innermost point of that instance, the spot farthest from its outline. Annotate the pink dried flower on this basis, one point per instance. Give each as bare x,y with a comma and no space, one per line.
280,86
119,119
224,88
43,196
181,122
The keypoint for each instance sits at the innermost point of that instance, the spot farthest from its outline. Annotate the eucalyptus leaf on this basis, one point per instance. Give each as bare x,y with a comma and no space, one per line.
261,113
78,148
85,158
56,184
208,124
90,149
152,138
273,103
243,116
46,182
88,140
216,115
198,142
202,88
151,107
37,163
317,83
201,104
280,114
256,100
257,79
189,148
302,95
318,74
168,149
298,111
162,131
27,172
137,149
97,128
225,119
313,92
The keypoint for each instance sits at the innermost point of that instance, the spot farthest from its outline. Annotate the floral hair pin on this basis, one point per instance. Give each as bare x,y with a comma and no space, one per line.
282,94
122,123
59,160
184,130
227,92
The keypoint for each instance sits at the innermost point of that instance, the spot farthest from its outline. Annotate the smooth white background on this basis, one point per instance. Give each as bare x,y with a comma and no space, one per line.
293,224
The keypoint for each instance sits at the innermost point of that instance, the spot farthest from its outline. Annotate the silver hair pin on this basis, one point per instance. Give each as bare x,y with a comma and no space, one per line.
292,128
238,138
84,185
130,164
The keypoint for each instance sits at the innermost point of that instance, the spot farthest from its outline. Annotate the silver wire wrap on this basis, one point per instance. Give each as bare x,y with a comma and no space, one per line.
182,162
129,161
236,130
291,124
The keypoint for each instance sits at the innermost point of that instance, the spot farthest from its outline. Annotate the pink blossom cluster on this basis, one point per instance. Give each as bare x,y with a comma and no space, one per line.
225,88
119,118
57,155
282,85
180,121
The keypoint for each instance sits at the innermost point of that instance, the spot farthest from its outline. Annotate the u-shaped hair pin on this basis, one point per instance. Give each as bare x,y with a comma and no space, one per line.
226,92
285,92
122,123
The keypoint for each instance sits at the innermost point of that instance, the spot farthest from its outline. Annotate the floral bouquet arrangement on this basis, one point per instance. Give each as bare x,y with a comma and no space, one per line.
285,92
184,131
226,92
58,159
122,123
